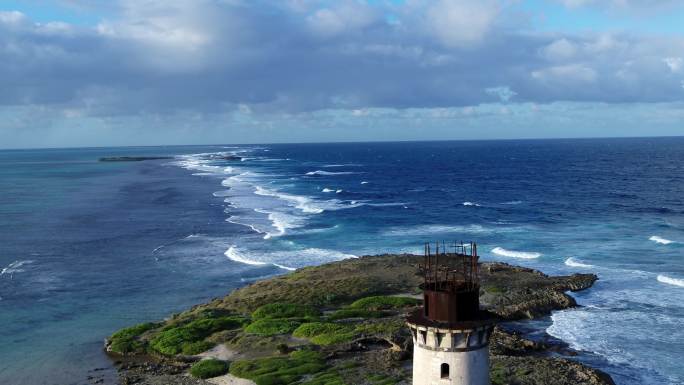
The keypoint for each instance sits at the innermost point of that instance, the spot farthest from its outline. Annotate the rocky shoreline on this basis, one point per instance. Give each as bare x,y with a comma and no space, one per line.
342,323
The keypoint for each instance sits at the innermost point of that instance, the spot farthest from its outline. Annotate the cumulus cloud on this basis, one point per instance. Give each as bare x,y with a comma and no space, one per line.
155,58
624,5
461,22
504,93
674,63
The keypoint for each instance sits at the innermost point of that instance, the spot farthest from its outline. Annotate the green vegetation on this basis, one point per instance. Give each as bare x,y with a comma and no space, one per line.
209,368
328,377
325,333
280,370
198,347
126,341
384,303
285,310
355,313
494,289
381,379
497,374
270,327
185,338
385,328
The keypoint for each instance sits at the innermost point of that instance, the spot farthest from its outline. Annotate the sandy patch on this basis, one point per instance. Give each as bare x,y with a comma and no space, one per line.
229,379
220,352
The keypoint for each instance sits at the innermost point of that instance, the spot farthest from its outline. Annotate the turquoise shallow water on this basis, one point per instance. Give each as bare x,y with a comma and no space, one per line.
87,247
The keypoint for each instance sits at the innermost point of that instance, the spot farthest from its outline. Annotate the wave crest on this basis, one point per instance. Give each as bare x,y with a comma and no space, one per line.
574,263
286,259
515,254
670,281
471,204
660,240
326,173
15,267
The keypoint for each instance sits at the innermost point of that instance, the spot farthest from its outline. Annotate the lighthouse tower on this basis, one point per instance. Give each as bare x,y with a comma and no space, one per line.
451,333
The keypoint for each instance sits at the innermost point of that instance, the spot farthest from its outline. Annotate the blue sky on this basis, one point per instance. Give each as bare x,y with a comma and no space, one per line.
145,72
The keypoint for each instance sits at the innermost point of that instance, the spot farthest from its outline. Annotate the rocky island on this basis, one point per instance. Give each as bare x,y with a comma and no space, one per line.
132,158
342,323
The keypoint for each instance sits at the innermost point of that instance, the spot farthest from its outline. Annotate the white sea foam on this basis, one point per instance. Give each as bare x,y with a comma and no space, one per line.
338,191
660,240
515,254
512,203
325,173
233,254
222,193
237,220
670,281
281,221
284,267
15,267
300,202
574,263
364,182
286,259
438,229
387,204
471,204
327,190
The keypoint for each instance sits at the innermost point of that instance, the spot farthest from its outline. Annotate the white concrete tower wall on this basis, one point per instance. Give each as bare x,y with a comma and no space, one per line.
465,368
450,357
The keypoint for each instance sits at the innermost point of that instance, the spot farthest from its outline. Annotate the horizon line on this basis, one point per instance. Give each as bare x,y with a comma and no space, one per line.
342,142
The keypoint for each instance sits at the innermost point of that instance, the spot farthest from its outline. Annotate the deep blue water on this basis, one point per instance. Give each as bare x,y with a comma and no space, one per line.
88,247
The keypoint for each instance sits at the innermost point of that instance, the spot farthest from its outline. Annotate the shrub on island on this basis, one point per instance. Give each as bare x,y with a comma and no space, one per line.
279,370
325,333
271,327
285,310
355,313
126,341
383,302
186,338
209,368
382,328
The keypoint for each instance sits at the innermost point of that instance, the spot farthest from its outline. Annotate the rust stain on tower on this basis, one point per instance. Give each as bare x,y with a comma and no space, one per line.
450,332
451,283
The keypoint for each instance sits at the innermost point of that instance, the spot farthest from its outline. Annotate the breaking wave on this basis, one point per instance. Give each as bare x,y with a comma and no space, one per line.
439,229
329,190
287,260
670,281
574,263
325,173
15,267
471,204
515,254
281,221
660,240
300,202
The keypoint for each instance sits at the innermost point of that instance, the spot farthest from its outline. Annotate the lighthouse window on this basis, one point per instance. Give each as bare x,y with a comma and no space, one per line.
445,371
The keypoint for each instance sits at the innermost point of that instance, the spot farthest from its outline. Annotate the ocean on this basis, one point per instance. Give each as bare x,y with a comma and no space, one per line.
88,247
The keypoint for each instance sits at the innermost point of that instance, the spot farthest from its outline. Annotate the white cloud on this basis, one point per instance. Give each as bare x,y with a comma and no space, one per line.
461,22
504,93
566,74
345,16
12,17
202,55
560,50
674,63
